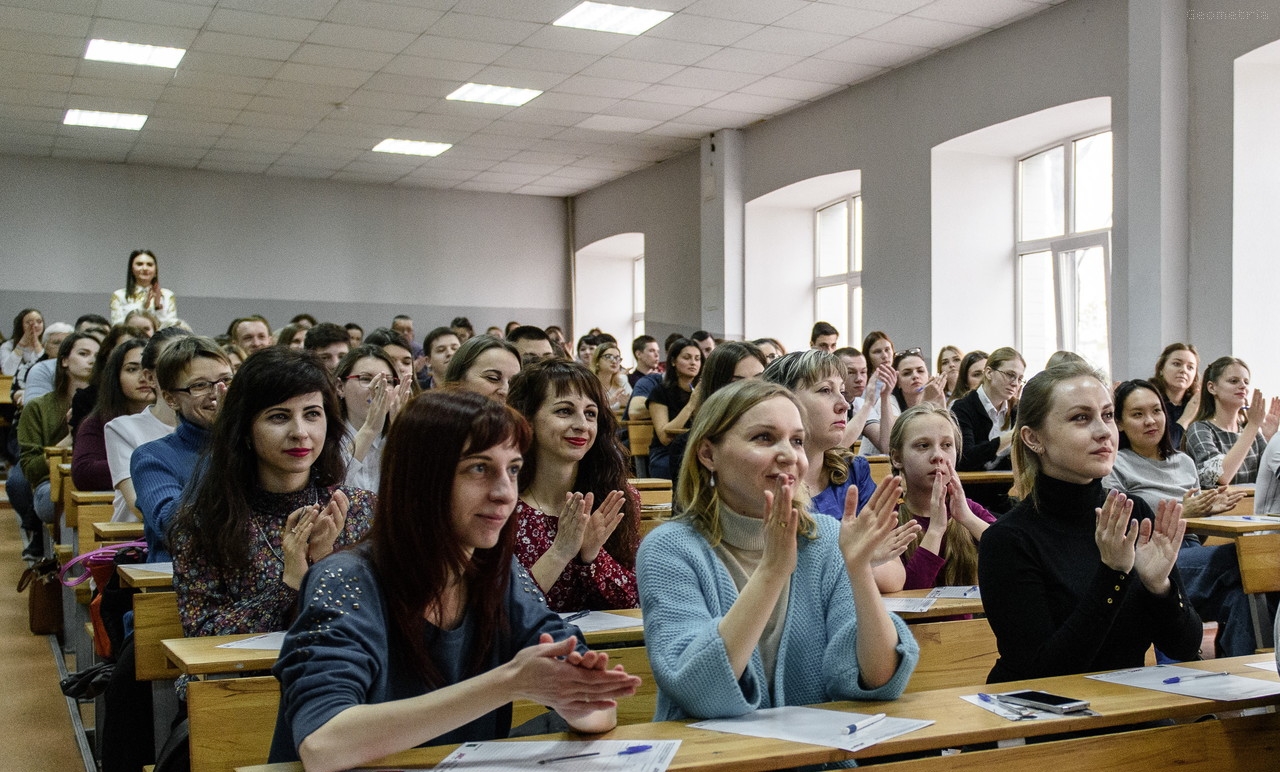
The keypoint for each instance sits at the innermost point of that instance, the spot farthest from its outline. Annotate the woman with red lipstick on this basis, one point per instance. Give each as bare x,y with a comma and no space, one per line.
582,558
425,633
749,600
923,449
1077,579
1231,430
269,502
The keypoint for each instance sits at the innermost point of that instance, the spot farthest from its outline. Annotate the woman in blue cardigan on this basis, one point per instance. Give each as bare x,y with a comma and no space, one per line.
751,602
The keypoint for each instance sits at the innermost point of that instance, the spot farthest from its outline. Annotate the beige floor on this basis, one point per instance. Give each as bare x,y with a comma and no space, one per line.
36,732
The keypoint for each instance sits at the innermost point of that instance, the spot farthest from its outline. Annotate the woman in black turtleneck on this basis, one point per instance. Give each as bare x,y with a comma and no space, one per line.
1076,579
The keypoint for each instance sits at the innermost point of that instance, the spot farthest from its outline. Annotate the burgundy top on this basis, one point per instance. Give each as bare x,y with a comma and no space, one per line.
923,567
89,468
600,585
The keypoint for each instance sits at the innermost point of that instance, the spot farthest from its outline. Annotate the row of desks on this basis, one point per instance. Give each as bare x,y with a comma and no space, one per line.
957,724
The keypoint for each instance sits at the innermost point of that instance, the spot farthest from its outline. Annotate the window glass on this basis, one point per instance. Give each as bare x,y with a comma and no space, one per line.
1093,182
831,304
833,239
1037,321
1041,191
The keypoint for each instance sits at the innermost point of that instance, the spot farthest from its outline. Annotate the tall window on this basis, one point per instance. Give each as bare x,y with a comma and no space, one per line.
637,297
837,286
1064,251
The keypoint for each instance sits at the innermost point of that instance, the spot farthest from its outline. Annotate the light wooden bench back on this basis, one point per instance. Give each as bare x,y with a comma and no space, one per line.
1259,562
636,709
155,618
86,516
640,436
880,467
956,653
77,499
231,721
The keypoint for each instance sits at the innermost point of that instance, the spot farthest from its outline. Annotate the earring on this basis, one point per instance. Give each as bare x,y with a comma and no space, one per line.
713,479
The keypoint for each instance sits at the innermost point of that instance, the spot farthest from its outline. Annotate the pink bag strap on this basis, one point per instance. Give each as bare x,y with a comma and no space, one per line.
109,550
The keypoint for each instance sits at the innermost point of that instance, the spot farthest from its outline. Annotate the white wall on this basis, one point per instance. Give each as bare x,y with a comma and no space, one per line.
603,280
234,244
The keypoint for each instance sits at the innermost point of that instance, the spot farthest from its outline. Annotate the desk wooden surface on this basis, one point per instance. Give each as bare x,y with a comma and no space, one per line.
109,531
956,724
138,577
942,607
1218,526
992,476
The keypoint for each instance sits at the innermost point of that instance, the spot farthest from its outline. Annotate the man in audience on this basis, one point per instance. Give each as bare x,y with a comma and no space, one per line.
855,376
645,350
403,324
533,343
824,337
251,333
461,327
193,375
706,341
329,342
355,334
94,324
511,325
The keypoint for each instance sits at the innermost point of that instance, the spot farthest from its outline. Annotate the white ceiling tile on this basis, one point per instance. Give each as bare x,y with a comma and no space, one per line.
373,115
827,71
170,157
297,91
277,120
468,111
451,161
505,179
83,7
582,173
326,76
89,150
352,36
548,159
507,76
712,80
36,81
677,95
12,61
39,43
665,51
862,50
578,102
370,131
437,47
531,114
518,129
790,88
152,136
789,41
364,97
617,123
254,146
405,84
545,59
31,20
178,124
390,16
111,104
348,58
278,106
260,25
220,81
264,134
835,19
154,12
481,152
232,166
583,41
139,32
49,116
631,108
911,30
117,89
742,60
489,30
485,187
365,178
196,112
332,161
320,141
989,13
594,140
243,45
500,141
723,119
603,87
703,29
631,69
751,103
422,67
540,11
302,9
544,190
385,164
235,65
612,164
746,10
280,170
33,98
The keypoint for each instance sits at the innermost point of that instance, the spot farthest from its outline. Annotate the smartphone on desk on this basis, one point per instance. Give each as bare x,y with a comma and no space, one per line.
1054,703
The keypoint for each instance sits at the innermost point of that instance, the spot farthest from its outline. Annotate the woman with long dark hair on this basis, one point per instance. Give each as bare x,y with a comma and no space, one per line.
1176,379
142,291
578,521
1232,427
673,402
24,346
426,632
269,502
123,389
370,397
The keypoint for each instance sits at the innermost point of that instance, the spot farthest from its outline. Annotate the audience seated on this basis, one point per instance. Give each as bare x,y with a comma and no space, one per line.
370,399
484,365
672,403
1232,428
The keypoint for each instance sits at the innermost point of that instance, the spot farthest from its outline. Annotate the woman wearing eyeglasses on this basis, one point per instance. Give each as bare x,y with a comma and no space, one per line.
367,390
606,363
986,415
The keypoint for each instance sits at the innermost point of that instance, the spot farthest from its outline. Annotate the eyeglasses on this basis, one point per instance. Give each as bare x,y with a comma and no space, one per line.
1010,375
612,357
366,379
204,388
910,352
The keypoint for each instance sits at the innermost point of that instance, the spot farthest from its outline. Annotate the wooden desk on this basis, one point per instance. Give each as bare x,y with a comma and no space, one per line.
956,724
138,577
110,531
992,476
942,607
1220,526
201,656
623,636
1240,530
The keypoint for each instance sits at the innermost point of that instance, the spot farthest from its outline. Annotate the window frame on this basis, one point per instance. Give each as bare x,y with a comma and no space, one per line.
851,279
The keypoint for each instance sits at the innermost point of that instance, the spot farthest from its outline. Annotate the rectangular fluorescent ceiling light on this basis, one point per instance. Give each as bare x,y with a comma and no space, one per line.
133,53
493,95
411,147
104,120
611,18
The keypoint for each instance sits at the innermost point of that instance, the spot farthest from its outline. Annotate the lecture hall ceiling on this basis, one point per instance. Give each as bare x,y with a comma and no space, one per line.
306,88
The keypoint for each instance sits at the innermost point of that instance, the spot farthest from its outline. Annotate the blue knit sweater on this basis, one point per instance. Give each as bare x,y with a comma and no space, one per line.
685,590
161,470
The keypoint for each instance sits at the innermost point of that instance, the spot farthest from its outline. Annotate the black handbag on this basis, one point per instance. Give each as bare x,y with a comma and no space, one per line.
44,604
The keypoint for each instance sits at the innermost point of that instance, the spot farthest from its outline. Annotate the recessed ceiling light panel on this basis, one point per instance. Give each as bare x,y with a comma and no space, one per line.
133,53
604,17
128,121
493,95
411,147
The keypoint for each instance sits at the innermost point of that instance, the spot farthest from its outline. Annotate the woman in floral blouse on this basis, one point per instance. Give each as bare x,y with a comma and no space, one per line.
582,555
268,502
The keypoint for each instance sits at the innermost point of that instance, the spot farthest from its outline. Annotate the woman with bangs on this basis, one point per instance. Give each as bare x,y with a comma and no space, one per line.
751,602
673,402
606,363
425,633
578,521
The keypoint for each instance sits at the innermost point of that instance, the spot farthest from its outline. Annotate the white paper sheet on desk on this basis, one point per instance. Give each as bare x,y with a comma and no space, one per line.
513,756
1247,518
1228,687
814,726
154,568
264,642
1269,665
911,605
599,621
971,591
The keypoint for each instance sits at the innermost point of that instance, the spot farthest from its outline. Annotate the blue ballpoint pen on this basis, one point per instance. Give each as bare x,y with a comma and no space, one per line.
628,751
1182,679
